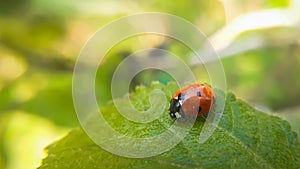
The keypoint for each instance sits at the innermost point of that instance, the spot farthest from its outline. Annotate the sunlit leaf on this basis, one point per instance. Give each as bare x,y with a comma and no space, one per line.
245,138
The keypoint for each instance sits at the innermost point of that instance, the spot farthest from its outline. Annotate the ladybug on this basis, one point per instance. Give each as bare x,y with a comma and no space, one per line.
192,100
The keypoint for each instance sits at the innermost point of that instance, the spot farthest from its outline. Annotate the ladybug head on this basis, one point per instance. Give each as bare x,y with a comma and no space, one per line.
175,106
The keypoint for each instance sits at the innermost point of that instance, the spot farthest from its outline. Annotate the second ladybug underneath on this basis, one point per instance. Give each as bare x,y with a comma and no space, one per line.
192,100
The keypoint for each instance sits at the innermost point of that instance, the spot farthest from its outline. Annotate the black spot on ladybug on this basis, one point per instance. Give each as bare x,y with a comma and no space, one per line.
198,94
180,96
199,109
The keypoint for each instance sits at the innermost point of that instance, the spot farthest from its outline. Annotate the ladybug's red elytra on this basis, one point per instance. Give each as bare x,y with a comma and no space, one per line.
192,100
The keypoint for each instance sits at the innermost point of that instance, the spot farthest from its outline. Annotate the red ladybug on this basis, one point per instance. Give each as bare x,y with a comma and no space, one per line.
193,100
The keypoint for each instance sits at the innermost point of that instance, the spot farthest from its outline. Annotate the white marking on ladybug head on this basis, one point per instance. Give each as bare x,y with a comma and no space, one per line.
177,115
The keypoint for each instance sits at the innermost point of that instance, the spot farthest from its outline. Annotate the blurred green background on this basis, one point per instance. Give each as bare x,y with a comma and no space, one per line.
40,40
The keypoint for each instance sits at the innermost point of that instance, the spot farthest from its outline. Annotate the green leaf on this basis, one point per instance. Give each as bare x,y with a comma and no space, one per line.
244,138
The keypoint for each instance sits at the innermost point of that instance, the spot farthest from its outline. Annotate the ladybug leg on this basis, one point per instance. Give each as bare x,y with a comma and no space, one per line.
180,96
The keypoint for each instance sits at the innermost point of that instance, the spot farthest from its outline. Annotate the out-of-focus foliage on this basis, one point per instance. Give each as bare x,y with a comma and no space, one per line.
40,39
24,137
267,76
